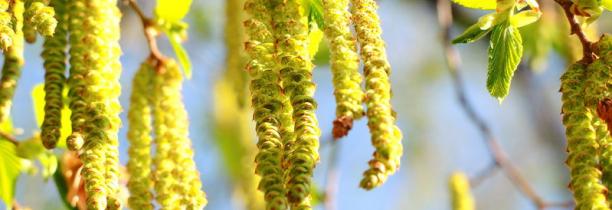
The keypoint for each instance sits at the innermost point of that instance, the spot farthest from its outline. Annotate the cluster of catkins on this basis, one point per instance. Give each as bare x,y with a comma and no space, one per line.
584,86
171,174
16,18
282,93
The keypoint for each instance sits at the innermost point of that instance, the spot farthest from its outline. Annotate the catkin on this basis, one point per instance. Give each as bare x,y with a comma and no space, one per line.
172,137
267,104
386,136
582,147
54,55
344,66
95,70
291,38
13,62
39,17
6,21
139,137
459,186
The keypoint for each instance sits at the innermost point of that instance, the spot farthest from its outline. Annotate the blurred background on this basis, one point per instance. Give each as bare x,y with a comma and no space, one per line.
438,136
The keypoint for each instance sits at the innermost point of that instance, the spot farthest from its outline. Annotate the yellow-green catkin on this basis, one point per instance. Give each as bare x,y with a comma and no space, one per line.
39,17
139,137
344,65
386,136
233,110
461,196
582,146
6,21
172,137
94,92
54,55
291,38
266,100
13,62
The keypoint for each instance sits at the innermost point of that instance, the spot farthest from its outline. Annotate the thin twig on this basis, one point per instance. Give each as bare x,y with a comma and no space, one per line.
331,179
500,158
575,28
150,32
9,137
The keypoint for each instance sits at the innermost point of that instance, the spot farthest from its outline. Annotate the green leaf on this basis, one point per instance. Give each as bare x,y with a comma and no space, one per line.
48,162
525,18
478,4
181,54
31,148
607,4
505,52
478,30
314,38
314,10
172,10
10,168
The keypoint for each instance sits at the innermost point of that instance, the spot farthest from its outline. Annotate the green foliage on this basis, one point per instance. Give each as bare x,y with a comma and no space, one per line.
505,51
172,10
314,11
10,170
478,30
477,4
169,15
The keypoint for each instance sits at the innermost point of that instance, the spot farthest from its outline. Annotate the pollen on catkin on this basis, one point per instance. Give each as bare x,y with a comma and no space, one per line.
582,147
139,137
6,21
266,102
344,66
291,38
386,136
39,17
459,187
54,56
94,92
173,126
13,62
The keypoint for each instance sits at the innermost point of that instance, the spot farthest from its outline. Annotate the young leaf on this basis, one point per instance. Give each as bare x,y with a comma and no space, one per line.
477,4
181,54
505,52
314,10
172,10
10,168
525,18
314,39
478,30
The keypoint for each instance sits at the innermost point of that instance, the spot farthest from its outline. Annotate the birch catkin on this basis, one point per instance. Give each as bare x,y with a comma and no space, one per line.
6,21
139,137
386,136
459,186
344,66
13,62
54,55
267,106
40,18
291,33
582,160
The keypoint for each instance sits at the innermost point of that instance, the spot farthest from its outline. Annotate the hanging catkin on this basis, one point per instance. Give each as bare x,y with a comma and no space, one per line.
582,160
13,62
95,70
40,18
6,21
139,137
266,102
386,136
172,137
291,35
344,66
459,186
54,55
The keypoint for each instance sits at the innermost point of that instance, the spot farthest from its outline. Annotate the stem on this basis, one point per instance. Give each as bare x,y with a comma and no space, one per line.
588,55
331,180
500,158
150,33
9,138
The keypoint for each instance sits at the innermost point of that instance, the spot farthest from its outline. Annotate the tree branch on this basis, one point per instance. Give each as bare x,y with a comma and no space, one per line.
500,158
150,32
588,55
9,137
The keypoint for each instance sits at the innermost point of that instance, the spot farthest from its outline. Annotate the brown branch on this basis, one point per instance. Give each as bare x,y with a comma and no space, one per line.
9,137
150,33
588,55
332,176
500,158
